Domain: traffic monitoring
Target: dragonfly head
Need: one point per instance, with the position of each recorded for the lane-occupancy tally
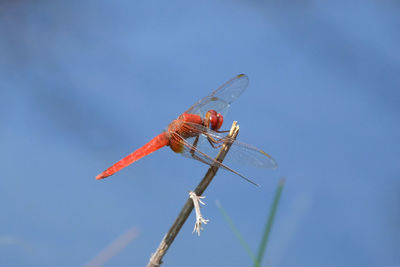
(213, 120)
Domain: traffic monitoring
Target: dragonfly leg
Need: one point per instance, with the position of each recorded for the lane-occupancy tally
(214, 141)
(194, 146)
(227, 131)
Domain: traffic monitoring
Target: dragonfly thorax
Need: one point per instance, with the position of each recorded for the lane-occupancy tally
(182, 128)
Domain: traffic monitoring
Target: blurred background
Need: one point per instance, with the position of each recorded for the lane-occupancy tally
(84, 83)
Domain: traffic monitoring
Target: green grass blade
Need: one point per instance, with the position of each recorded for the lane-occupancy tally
(268, 226)
(236, 232)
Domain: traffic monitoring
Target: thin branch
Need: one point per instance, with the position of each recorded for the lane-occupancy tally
(156, 258)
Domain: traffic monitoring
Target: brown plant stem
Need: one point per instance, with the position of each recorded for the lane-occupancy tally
(156, 258)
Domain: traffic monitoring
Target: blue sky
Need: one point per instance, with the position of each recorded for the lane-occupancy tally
(84, 84)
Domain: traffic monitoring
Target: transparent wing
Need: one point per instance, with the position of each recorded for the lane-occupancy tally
(222, 97)
(239, 154)
(193, 152)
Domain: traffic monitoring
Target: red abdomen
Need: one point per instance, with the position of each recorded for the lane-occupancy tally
(156, 143)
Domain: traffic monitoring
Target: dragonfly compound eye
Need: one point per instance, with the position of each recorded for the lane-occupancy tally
(220, 121)
(214, 120)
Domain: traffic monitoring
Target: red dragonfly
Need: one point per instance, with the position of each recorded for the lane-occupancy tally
(197, 131)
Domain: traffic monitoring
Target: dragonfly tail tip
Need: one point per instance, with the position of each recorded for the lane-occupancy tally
(101, 176)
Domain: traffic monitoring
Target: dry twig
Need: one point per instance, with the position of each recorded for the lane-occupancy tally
(156, 258)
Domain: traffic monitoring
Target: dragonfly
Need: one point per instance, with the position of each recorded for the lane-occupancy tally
(196, 134)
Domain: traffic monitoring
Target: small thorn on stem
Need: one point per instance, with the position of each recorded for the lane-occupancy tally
(199, 218)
